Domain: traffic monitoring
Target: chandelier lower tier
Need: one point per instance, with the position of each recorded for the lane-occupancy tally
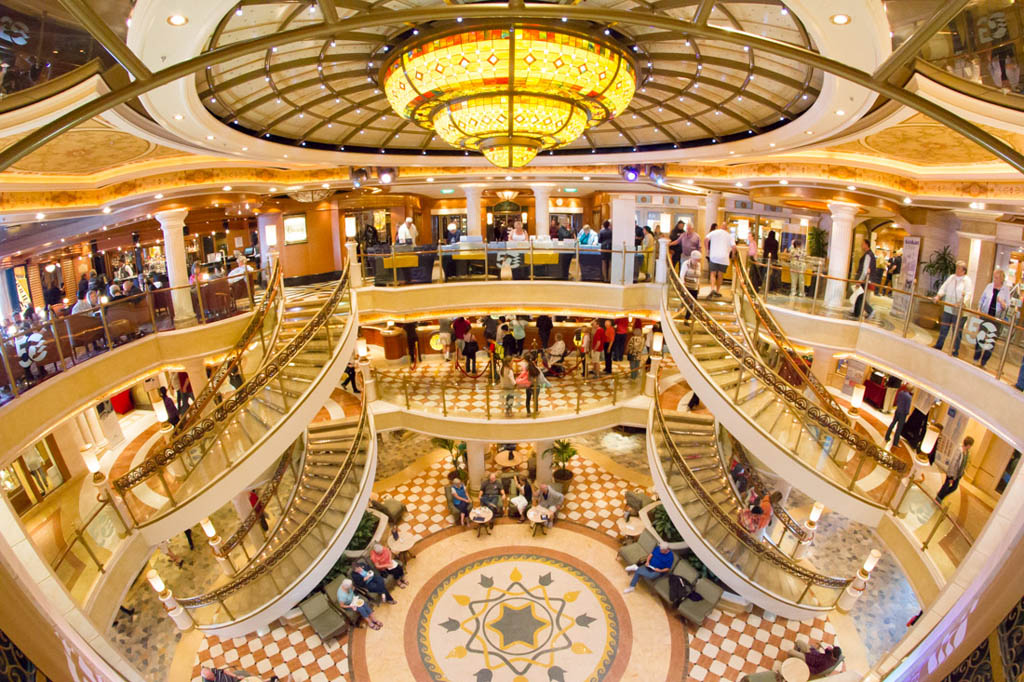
(509, 92)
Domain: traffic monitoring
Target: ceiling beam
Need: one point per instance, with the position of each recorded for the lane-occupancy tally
(329, 11)
(103, 34)
(905, 53)
(188, 67)
(703, 12)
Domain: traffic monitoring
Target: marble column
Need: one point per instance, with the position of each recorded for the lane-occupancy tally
(93, 419)
(84, 432)
(662, 264)
(196, 370)
(6, 309)
(172, 223)
(543, 461)
(712, 204)
(476, 463)
(623, 234)
(541, 197)
(267, 224)
(839, 246)
(474, 217)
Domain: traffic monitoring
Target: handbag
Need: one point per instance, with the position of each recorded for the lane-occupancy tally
(857, 292)
(523, 380)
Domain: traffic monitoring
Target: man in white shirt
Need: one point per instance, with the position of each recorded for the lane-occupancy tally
(720, 246)
(954, 292)
(237, 273)
(407, 232)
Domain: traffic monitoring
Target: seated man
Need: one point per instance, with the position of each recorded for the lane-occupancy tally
(492, 494)
(818, 659)
(369, 581)
(556, 351)
(658, 564)
(551, 499)
(223, 674)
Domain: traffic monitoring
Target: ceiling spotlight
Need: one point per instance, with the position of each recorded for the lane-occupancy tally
(630, 173)
(840, 19)
(106, 209)
(586, 178)
(840, 112)
(177, 20)
(783, 182)
(430, 179)
(238, 12)
(906, 200)
(178, 117)
(386, 175)
(656, 173)
(852, 188)
(359, 176)
(508, 177)
(689, 182)
(739, 184)
(40, 216)
(158, 196)
(227, 188)
(978, 206)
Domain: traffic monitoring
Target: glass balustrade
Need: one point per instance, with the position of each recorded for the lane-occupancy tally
(178, 468)
(941, 536)
(88, 548)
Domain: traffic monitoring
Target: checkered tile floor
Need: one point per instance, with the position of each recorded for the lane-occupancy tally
(466, 396)
(727, 647)
(295, 654)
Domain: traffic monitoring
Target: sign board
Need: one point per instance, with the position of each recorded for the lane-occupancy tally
(901, 303)
(952, 434)
(855, 373)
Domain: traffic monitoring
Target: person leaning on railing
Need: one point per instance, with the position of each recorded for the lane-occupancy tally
(689, 273)
(954, 292)
(995, 301)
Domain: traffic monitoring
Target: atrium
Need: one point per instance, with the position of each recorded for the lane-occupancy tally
(487, 341)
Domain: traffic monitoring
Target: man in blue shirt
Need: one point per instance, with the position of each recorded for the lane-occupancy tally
(658, 564)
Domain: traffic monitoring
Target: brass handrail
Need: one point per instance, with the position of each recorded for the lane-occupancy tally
(221, 416)
(757, 483)
(795, 400)
(269, 490)
(194, 411)
(266, 559)
(788, 352)
(765, 551)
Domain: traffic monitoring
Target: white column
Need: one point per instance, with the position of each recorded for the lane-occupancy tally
(196, 370)
(712, 202)
(476, 463)
(355, 273)
(839, 245)
(623, 233)
(662, 265)
(98, 439)
(541, 197)
(474, 218)
(543, 461)
(369, 383)
(84, 432)
(173, 224)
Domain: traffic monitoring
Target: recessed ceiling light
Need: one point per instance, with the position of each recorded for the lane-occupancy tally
(906, 200)
(158, 196)
(227, 188)
(771, 144)
(245, 149)
(326, 185)
(273, 189)
(840, 19)
(586, 178)
(508, 177)
(177, 20)
(430, 179)
(840, 112)
(106, 209)
(40, 216)
(178, 117)
(209, 137)
(739, 184)
(809, 132)
(689, 182)
(783, 182)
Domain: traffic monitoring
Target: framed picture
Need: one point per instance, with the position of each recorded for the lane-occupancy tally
(295, 229)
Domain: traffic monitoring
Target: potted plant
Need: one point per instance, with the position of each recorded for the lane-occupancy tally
(371, 529)
(561, 451)
(659, 523)
(457, 452)
(939, 266)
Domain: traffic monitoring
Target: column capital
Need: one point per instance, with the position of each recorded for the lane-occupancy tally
(542, 189)
(472, 190)
(843, 211)
(717, 196)
(172, 218)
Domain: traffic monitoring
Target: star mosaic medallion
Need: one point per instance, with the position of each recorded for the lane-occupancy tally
(518, 618)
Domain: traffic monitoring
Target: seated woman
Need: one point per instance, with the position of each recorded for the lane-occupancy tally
(387, 564)
(818, 659)
(370, 583)
(348, 600)
(461, 499)
(520, 495)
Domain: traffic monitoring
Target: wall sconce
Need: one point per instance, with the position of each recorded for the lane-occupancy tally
(490, 218)
(857, 399)
(931, 437)
(657, 343)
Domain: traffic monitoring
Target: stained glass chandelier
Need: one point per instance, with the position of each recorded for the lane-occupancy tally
(509, 92)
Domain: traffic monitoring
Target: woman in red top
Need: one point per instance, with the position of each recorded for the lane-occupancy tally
(596, 345)
(609, 345)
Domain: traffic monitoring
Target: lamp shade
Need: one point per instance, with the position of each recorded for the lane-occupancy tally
(657, 342)
(872, 560)
(155, 581)
(208, 529)
(91, 463)
(857, 399)
(350, 226)
(816, 512)
(361, 349)
(931, 436)
(160, 409)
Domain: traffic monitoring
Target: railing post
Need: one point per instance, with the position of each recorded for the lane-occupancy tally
(248, 289)
(817, 286)
(739, 384)
(199, 301)
(225, 607)
(623, 280)
(56, 341)
(860, 465)
(615, 389)
(1006, 347)
(7, 369)
(152, 309)
(531, 260)
(394, 266)
(804, 593)
(767, 277)
(444, 400)
(106, 328)
(440, 262)
(487, 266)
(956, 330)
(935, 528)
(80, 536)
(910, 315)
(578, 398)
(579, 268)
(167, 488)
(405, 391)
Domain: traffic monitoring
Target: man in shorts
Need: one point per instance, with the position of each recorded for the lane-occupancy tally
(720, 246)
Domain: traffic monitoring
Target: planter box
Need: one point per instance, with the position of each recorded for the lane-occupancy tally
(382, 528)
(645, 517)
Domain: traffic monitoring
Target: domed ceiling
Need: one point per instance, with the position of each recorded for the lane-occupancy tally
(328, 94)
